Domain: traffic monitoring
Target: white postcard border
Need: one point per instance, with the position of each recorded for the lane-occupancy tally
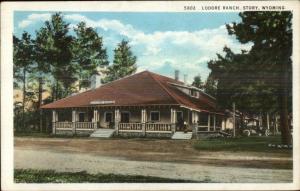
(7, 9)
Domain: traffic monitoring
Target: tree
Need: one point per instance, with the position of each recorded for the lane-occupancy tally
(210, 86)
(271, 33)
(23, 60)
(55, 46)
(89, 53)
(261, 78)
(197, 82)
(124, 63)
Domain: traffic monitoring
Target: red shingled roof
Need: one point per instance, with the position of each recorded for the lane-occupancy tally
(144, 88)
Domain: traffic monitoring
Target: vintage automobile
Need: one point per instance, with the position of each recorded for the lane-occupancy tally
(260, 131)
(251, 128)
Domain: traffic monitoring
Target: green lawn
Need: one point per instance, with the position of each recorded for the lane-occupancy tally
(47, 135)
(258, 144)
(50, 176)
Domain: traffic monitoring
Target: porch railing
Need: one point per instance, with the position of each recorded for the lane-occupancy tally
(130, 126)
(63, 125)
(146, 127)
(84, 125)
(157, 127)
(205, 128)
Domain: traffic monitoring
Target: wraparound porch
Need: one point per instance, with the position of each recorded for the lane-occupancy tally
(142, 120)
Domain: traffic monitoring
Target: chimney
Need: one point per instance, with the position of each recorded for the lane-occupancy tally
(177, 75)
(185, 78)
(95, 81)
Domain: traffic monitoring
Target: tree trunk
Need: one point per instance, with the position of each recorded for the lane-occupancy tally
(24, 97)
(284, 124)
(283, 100)
(40, 103)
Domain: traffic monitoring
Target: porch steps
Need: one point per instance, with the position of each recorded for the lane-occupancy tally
(182, 135)
(103, 133)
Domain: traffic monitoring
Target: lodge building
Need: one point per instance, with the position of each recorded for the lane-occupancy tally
(142, 104)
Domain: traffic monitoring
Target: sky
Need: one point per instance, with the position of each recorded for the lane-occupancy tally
(162, 42)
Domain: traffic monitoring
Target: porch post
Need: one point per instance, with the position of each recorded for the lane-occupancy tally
(208, 122)
(268, 121)
(194, 122)
(95, 118)
(73, 122)
(117, 116)
(214, 122)
(223, 124)
(54, 117)
(173, 120)
(143, 121)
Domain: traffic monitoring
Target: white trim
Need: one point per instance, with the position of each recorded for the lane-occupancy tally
(122, 130)
(158, 115)
(158, 132)
(190, 108)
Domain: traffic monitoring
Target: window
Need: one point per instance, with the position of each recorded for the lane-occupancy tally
(154, 115)
(194, 93)
(108, 117)
(81, 117)
(125, 117)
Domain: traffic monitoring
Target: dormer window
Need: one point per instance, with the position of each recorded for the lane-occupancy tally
(194, 93)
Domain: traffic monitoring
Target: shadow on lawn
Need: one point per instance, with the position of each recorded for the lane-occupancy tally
(50, 176)
(255, 144)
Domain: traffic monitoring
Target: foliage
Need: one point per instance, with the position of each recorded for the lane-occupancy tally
(89, 54)
(55, 60)
(22, 55)
(47, 176)
(210, 86)
(22, 60)
(239, 82)
(124, 63)
(259, 80)
(55, 48)
(198, 82)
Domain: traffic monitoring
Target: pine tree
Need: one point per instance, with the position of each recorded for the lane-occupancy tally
(259, 80)
(23, 61)
(271, 33)
(56, 49)
(89, 53)
(124, 63)
(210, 86)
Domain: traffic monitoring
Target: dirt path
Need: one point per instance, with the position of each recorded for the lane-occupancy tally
(163, 158)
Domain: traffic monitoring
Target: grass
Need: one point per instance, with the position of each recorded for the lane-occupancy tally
(46, 135)
(255, 144)
(50, 176)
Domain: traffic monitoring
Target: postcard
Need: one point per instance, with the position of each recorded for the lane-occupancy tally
(141, 95)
